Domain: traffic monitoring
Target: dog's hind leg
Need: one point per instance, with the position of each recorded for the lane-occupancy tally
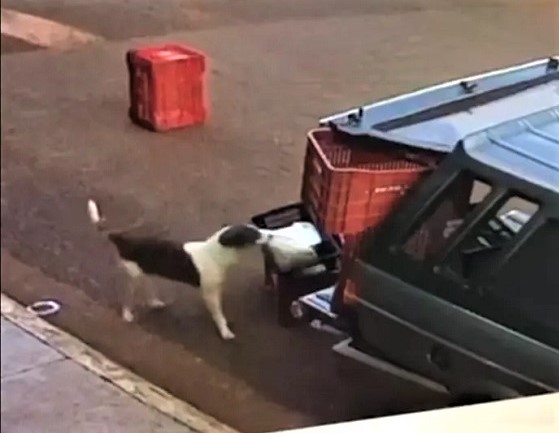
(132, 290)
(212, 298)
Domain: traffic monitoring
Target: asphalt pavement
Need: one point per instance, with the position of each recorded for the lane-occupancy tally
(276, 67)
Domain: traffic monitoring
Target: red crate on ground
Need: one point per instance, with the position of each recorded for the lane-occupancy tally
(167, 86)
(349, 186)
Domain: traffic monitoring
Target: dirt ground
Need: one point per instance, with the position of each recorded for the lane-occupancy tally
(275, 69)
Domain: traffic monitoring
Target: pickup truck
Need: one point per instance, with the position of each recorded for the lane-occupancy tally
(459, 287)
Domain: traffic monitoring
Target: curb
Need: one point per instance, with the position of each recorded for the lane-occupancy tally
(94, 361)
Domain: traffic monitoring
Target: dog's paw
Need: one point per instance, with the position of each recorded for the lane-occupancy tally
(127, 315)
(227, 334)
(156, 304)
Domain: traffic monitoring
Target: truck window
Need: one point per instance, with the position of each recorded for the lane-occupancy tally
(436, 226)
(486, 240)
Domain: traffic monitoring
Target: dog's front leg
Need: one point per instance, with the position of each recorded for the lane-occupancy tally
(129, 303)
(212, 297)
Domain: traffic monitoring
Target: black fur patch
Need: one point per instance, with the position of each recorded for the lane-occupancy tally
(239, 236)
(158, 257)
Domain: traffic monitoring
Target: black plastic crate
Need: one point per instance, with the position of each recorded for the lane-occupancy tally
(328, 251)
(290, 286)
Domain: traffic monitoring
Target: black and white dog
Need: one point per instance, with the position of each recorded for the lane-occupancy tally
(202, 264)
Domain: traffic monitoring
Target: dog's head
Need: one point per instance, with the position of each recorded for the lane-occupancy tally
(241, 236)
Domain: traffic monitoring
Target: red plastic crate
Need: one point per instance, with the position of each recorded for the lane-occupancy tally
(348, 187)
(167, 86)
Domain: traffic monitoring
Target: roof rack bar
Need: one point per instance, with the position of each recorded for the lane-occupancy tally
(542, 134)
(504, 144)
(466, 103)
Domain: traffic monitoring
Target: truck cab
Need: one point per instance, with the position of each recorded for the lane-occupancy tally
(459, 286)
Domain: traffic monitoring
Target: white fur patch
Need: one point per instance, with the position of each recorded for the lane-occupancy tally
(211, 258)
(212, 261)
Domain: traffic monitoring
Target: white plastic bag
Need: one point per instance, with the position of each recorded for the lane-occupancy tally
(292, 247)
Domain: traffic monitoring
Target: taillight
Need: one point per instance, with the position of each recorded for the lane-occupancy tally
(349, 295)
(347, 290)
(346, 285)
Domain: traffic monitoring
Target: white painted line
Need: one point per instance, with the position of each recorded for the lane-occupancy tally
(142, 390)
(42, 32)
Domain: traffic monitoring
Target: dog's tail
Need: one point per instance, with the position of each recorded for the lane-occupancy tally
(95, 215)
(99, 221)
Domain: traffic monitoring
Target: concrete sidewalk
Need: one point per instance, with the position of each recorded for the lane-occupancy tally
(43, 391)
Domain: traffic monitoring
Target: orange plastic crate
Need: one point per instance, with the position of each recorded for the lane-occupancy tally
(167, 86)
(348, 187)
